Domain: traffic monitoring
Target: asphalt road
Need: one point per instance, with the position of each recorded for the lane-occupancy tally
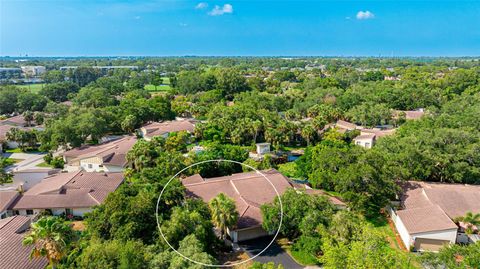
(273, 254)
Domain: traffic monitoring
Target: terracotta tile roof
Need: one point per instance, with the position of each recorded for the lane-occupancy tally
(346, 125)
(70, 190)
(425, 219)
(13, 254)
(433, 206)
(161, 128)
(455, 199)
(409, 114)
(113, 152)
(18, 120)
(6, 199)
(249, 190)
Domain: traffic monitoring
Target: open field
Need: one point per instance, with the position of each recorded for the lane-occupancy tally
(160, 88)
(33, 87)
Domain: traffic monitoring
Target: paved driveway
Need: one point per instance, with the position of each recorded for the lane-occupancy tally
(273, 254)
(29, 160)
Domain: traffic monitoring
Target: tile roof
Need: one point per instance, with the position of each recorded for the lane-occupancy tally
(249, 190)
(18, 120)
(409, 114)
(113, 152)
(13, 254)
(70, 190)
(433, 206)
(4, 129)
(6, 199)
(346, 125)
(425, 219)
(161, 128)
(455, 199)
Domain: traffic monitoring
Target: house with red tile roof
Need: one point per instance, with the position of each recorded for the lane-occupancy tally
(164, 128)
(249, 190)
(110, 156)
(73, 193)
(425, 221)
(14, 255)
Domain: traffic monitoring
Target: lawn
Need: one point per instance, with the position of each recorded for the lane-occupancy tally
(43, 164)
(35, 88)
(299, 256)
(160, 88)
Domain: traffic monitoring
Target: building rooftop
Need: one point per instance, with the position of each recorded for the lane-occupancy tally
(113, 152)
(454, 199)
(6, 199)
(13, 254)
(425, 219)
(161, 128)
(249, 190)
(69, 190)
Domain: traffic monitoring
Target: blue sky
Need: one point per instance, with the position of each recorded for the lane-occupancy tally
(282, 27)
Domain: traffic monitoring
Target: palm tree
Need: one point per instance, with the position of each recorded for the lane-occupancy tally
(224, 213)
(50, 237)
(471, 221)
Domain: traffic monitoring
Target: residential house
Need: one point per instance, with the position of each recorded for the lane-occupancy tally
(344, 126)
(14, 122)
(14, 255)
(164, 128)
(425, 220)
(106, 157)
(368, 137)
(6, 200)
(23, 180)
(249, 191)
(73, 193)
(409, 114)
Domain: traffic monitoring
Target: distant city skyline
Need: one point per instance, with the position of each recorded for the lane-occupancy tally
(239, 28)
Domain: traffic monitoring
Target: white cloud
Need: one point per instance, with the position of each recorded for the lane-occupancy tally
(201, 5)
(365, 15)
(217, 10)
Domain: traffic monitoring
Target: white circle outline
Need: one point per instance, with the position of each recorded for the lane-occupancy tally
(219, 265)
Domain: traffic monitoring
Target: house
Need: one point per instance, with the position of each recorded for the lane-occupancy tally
(164, 128)
(14, 254)
(368, 137)
(73, 193)
(345, 125)
(6, 200)
(23, 180)
(409, 114)
(4, 129)
(425, 220)
(105, 157)
(249, 190)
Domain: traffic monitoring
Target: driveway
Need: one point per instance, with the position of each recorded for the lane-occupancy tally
(273, 254)
(29, 161)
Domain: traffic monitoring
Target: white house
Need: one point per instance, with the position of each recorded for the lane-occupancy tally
(73, 193)
(425, 219)
(105, 157)
(368, 137)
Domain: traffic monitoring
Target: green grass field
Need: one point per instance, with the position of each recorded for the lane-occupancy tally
(161, 88)
(33, 87)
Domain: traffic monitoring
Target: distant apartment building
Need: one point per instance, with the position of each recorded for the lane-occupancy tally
(33, 71)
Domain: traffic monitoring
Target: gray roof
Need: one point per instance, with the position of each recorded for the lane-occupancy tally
(6, 199)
